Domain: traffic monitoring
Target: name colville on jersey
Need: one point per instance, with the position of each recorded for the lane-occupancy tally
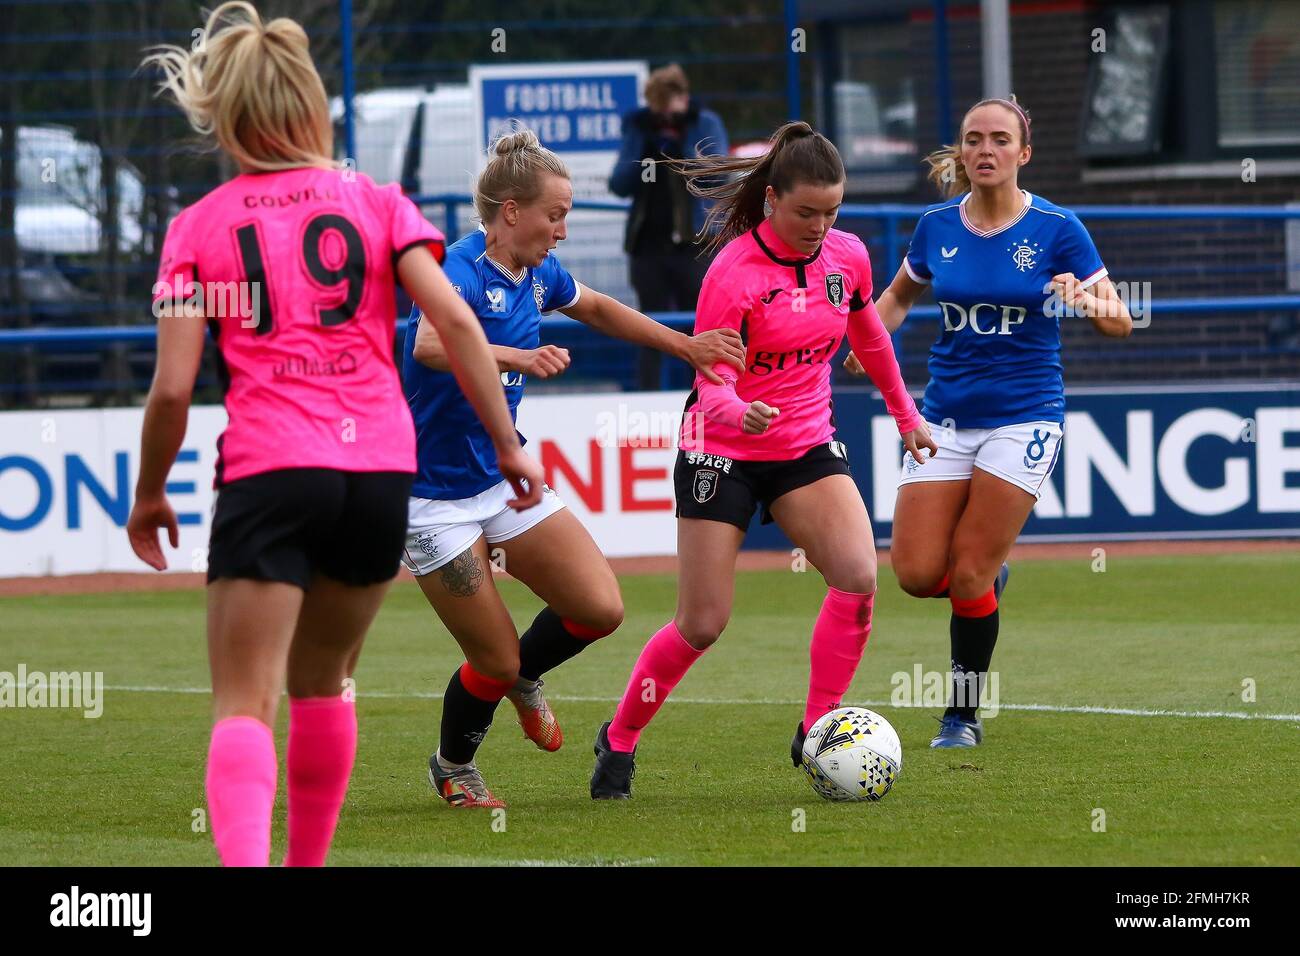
(289, 199)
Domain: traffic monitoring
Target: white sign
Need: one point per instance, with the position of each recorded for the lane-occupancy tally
(66, 479)
(576, 109)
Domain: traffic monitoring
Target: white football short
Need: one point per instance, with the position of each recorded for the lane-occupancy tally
(438, 531)
(1023, 454)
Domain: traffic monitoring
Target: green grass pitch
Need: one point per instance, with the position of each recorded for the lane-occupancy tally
(714, 784)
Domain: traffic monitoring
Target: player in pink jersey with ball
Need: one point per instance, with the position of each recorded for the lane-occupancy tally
(293, 265)
(792, 286)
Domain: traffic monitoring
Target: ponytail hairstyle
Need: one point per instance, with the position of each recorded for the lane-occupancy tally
(796, 154)
(947, 171)
(515, 170)
(254, 87)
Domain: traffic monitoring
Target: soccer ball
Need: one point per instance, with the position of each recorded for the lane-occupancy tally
(852, 754)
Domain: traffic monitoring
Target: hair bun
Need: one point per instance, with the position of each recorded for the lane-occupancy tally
(515, 142)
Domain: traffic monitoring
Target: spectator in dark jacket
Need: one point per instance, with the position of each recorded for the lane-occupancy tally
(664, 219)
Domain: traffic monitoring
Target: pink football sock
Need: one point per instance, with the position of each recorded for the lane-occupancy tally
(240, 783)
(838, 640)
(664, 661)
(318, 764)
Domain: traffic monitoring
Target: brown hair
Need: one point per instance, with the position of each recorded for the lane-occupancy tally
(796, 153)
(947, 171)
(519, 160)
(254, 87)
(665, 83)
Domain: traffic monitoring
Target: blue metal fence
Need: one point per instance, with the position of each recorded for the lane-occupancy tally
(609, 363)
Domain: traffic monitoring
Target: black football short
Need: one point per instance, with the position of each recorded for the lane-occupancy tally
(726, 489)
(291, 524)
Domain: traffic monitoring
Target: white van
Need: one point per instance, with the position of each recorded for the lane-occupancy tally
(60, 208)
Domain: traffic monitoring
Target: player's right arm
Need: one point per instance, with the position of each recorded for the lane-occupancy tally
(543, 362)
(723, 304)
(166, 415)
(471, 361)
(430, 351)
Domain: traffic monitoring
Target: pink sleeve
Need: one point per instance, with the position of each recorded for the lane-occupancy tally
(872, 345)
(178, 265)
(721, 305)
(720, 403)
(408, 228)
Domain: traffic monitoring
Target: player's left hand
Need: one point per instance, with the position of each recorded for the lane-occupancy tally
(148, 515)
(917, 439)
(853, 366)
(707, 349)
(1066, 285)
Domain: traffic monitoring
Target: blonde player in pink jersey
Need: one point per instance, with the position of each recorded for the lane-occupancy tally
(765, 439)
(315, 466)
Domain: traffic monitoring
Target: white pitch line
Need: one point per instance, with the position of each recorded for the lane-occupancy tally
(730, 701)
(576, 862)
(643, 861)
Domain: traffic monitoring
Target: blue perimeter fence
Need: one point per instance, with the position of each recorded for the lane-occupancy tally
(1256, 336)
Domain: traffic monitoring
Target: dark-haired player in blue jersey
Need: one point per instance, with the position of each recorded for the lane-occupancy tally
(1005, 267)
(461, 506)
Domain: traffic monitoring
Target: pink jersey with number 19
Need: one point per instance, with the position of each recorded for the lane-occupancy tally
(297, 272)
(792, 311)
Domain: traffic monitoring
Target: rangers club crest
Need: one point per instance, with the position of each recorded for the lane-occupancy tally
(426, 543)
(1024, 254)
(706, 484)
(539, 294)
(835, 288)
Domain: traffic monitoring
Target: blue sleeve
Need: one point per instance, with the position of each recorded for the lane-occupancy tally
(713, 136)
(625, 180)
(464, 278)
(710, 140)
(1076, 252)
(561, 289)
(914, 261)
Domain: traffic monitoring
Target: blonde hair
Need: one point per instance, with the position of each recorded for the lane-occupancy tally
(947, 171)
(665, 83)
(254, 87)
(518, 162)
(796, 154)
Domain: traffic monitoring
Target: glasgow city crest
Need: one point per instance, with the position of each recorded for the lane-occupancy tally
(706, 484)
(835, 288)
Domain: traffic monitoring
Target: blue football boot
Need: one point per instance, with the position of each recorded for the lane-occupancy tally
(956, 731)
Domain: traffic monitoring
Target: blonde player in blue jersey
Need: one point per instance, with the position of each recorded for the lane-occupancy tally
(460, 509)
(1005, 267)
